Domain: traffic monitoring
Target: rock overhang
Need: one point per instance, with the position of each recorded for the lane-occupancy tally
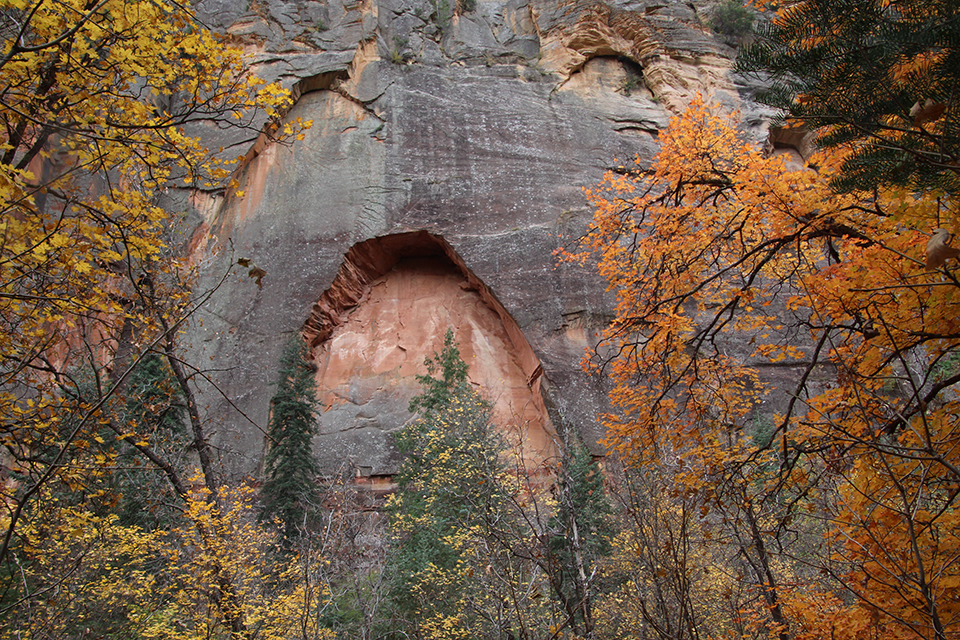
(385, 313)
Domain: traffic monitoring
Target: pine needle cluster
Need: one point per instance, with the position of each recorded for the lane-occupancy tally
(290, 471)
(881, 78)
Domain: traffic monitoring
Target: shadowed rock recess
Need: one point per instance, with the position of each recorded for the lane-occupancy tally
(450, 145)
(387, 310)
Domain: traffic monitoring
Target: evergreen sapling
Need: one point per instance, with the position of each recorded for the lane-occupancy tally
(289, 490)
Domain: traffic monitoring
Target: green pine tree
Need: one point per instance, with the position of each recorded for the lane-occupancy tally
(290, 471)
(476, 548)
(154, 407)
(581, 530)
(438, 391)
(879, 77)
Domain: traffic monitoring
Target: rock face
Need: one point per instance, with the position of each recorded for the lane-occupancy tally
(387, 310)
(450, 144)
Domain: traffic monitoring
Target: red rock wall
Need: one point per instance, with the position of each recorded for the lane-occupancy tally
(389, 309)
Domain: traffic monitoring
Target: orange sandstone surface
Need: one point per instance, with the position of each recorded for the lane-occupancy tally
(372, 332)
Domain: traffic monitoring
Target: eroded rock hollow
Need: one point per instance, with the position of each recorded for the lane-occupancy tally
(388, 310)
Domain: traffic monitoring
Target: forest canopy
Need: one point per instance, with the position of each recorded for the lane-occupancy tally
(784, 353)
(101, 108)
(785, 345)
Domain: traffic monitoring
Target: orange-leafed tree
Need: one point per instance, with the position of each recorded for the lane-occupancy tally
(836, 479)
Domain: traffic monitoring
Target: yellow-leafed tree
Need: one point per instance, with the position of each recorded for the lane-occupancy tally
(217, 574)
(102, 103)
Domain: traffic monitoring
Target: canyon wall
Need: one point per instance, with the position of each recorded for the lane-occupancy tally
(451, 140)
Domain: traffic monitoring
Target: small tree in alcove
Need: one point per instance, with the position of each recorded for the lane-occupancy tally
(451, 471)
(290, 472)
(467, 559)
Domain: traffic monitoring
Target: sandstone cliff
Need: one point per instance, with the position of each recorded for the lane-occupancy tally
(450, 144)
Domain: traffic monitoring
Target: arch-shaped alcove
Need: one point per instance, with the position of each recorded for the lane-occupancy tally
(795, 144)
(387, 310)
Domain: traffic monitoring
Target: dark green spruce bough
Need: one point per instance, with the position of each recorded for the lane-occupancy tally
(289, 492)
(885, 77)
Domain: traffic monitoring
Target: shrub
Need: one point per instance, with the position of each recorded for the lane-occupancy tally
(732, 20)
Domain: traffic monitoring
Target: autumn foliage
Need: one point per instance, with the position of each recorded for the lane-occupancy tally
(102, 110)
(784, 361)
(783, 353)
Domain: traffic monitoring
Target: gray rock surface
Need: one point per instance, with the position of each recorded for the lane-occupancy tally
(478, 121)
